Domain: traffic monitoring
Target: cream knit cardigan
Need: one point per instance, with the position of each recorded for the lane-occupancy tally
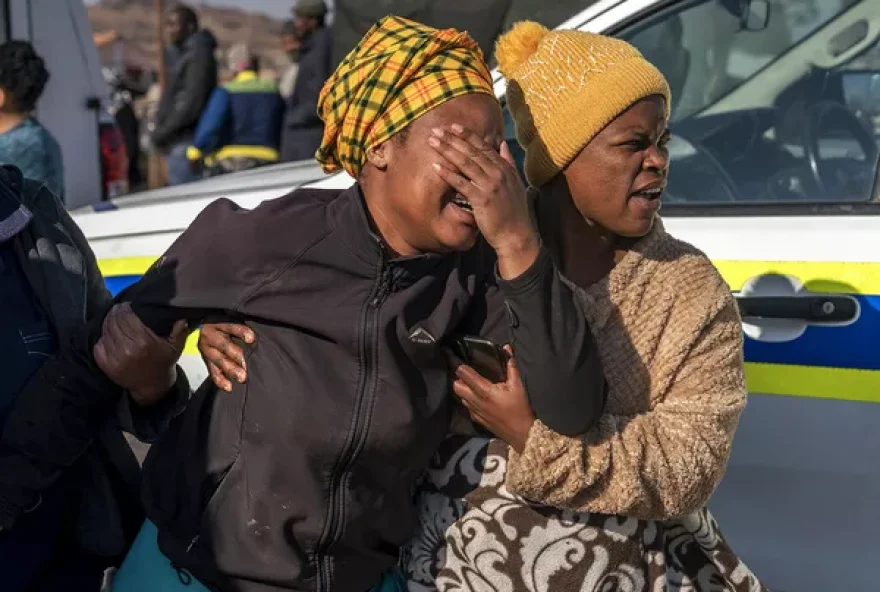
(669, 334)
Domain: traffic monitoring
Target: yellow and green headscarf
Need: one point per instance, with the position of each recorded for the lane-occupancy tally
(398, 72)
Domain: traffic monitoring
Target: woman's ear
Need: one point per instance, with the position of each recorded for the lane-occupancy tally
(380, 155)
(2, 99)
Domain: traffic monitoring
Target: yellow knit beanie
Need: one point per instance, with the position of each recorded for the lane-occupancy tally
(564, 87)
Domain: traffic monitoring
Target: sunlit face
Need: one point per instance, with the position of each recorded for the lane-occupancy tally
(618, 179)
(415, 202)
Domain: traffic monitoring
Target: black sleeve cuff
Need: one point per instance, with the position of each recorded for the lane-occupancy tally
(148, 423)
(530, 279)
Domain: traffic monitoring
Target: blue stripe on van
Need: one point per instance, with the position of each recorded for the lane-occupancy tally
(118, 283)
(855, 346)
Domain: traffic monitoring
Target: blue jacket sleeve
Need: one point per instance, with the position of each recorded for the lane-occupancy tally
(213, 123)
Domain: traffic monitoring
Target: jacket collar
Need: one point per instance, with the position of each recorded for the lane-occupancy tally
(14, 215)
(349, 216)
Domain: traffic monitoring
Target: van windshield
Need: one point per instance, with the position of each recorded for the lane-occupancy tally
(706, 53)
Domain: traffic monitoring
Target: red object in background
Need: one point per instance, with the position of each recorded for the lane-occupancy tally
(114, 160)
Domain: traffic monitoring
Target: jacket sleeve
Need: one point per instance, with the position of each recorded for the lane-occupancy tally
(212, 125)
(657, 465)
(68, 401)
(557, 357)
(97, 296)
(187, 106)
(145, 424)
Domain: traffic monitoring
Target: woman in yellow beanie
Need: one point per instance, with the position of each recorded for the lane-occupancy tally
(622, 506)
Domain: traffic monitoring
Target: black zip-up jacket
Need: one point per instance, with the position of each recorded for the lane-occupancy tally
(301, 479)
(37, 445)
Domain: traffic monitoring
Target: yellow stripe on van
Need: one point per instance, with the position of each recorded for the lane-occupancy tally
(125, 265)
(772, 379)
(817, 276)
(842, 384)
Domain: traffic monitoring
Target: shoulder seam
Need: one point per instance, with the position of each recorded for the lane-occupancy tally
(281, 271)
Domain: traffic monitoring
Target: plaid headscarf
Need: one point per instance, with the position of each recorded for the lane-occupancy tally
(398, 72)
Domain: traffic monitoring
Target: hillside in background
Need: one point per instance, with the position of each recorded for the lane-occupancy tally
(135, 22)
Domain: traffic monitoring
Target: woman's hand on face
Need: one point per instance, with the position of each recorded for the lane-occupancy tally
(225, 359)
(490, 182)
(137, 359)
(502, 408)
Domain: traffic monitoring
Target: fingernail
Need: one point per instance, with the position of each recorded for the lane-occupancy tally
(437, 131)
(228, 388)
(457, 128)
(241, 376)
(243, 364)
(249, 337)
(434, 142)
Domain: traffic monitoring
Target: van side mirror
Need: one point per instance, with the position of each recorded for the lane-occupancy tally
(755, 15)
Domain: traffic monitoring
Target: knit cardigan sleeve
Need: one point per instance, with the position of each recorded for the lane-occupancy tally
(660, 464)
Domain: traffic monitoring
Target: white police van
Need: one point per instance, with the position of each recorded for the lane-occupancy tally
(776, 122)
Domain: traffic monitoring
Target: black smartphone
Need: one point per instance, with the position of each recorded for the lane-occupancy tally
(484, 356)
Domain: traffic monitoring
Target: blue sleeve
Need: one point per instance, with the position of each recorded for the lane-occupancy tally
(212, 125)
(36, 154)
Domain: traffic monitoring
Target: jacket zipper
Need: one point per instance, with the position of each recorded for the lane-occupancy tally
(357, 435)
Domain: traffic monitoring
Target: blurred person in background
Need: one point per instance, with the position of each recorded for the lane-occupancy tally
(192, 78)
(303, 128)
(241, 126)
(24, 142)
(290, 44)
(125, 89)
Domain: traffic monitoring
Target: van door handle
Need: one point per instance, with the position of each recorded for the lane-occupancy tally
(819, 309)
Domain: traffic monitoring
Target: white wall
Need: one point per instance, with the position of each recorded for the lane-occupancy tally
(61, 34)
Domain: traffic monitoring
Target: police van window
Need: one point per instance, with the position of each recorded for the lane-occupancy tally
(550, 13)
(774, 101)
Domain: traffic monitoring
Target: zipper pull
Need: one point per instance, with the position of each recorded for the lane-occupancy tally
(382, 288)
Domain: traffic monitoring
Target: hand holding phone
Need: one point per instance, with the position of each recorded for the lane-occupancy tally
(490, 388)
(484, 356)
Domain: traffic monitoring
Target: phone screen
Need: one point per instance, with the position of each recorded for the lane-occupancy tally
(485, 357)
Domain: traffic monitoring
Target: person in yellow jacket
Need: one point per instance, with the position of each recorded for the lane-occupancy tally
(241, 126)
